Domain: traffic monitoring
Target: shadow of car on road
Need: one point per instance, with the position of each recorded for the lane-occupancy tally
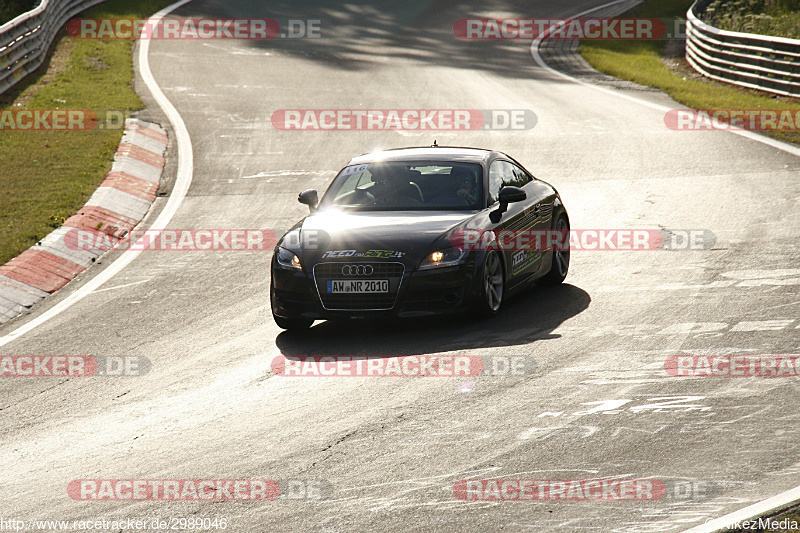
(531, 315)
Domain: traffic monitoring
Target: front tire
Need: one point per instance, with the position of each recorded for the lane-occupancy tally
(292, 324)
(492, 285)
(289, 324)
(559, 261)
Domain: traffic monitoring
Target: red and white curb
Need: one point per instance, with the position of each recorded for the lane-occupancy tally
(116, 207)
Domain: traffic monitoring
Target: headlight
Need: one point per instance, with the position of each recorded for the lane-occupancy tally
(442, 258)
(288, 259)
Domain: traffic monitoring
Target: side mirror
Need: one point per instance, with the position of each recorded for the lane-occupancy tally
(508, 195)
(309, 197)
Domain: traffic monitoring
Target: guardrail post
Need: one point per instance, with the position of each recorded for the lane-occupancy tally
(761, 62)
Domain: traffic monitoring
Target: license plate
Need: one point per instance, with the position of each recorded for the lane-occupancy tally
(357, 286)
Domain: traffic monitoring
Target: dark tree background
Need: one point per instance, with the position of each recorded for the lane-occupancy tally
(11, 8)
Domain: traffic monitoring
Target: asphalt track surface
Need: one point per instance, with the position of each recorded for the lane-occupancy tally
(393, 448)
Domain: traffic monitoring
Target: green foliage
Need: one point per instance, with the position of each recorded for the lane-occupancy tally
(778, 18)
(10, 9)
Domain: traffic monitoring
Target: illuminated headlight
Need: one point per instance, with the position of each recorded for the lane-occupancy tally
(442, 258)
(288, 259)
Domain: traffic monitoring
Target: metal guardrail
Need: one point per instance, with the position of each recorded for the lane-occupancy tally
(25, 40)
(756, 61)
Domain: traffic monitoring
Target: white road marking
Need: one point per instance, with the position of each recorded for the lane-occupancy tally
(278, 173)
(623, 381)
(535, 432)
(182, 183)
(122, 286)
(663, 404)
(234, 51)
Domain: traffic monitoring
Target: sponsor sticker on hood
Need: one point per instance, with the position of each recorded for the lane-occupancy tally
(369, 254)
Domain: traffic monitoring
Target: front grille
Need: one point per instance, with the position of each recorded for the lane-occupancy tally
(348, 301)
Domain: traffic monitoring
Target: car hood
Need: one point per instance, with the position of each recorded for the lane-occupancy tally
(398, 236)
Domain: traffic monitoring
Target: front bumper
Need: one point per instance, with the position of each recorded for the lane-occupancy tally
(295, 294)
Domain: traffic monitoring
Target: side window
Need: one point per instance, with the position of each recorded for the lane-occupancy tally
(504, 174)
(495, 180)
(521, 178)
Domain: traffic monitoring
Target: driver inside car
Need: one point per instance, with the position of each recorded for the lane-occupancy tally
(465, 181)
(393, 190)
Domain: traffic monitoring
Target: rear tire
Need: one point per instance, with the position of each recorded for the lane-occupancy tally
(492, 283)
(559, 260)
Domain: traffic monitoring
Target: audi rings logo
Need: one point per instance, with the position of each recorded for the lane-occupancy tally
(357, 270)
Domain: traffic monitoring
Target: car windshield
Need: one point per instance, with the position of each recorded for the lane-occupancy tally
(407, 186)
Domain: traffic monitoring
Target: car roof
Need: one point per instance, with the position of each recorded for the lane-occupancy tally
(428, 153)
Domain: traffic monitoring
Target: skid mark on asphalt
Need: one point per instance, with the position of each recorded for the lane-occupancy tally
(436, 491)
(696, 329)
(778, 306)
(406, 488)
(734, 278)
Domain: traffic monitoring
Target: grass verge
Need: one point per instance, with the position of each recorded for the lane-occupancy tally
(47, 176)
(642, 62)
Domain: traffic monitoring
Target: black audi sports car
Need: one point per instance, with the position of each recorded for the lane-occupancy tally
(387, 238)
